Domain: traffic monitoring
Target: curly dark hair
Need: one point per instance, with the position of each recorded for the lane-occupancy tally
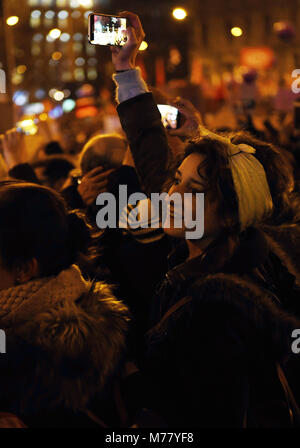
(220, 188)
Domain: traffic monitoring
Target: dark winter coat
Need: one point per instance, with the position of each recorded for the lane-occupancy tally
(213, 362)
(59, 359)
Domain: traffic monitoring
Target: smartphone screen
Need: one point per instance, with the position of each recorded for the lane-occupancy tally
(169, 116)
(107, 30)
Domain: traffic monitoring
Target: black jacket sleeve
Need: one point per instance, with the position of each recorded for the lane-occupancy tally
(142, 124)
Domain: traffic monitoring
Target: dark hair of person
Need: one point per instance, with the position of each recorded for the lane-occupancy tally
(52, 148)
(56, 167)
(35, 223)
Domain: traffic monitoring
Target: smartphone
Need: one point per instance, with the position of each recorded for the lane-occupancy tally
(170, 116)
(297, 115)
(107, 30)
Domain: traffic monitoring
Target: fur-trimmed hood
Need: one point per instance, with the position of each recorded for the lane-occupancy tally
(61, 354)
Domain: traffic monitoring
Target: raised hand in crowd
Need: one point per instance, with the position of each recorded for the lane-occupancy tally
(93, 183)
(13, 148)
(193, 119)
(124, 57)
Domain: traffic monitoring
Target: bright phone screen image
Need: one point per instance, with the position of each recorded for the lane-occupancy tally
(107, 30)
(169, 115)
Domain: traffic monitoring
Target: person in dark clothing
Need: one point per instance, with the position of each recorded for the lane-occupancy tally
(220, 333)
(66, 336)
(53, 171)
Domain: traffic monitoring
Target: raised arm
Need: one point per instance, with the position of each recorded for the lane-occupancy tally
(138, 112)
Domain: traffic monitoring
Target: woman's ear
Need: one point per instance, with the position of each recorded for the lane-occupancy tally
(28, 271)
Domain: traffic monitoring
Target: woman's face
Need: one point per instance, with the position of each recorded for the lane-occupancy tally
(190, 179)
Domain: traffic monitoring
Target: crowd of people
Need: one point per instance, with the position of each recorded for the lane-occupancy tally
(143, 327)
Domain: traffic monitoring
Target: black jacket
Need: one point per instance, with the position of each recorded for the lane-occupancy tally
(213, 362)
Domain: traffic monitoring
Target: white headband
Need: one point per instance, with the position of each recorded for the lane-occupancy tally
(250, 181)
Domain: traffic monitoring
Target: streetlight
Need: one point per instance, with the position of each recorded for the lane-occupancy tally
(12, 20)
(236, 31)
(179, 13)
(58, 95)
(55, 33)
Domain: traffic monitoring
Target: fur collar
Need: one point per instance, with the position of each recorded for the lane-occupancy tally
(61, 351)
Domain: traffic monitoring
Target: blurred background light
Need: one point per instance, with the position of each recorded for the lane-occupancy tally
(68, 105)
(34, 109)
(59, 95)
(86, 3)
(43, 116)
(40, 94)
(57, 55)
(55, 33)
(21, 69)
(20, 97)
(65, 37)
(143, 46)
(236, 31)
(57, 112)
(12, 20)
(179, 13)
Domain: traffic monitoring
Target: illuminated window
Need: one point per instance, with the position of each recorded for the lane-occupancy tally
(92, 74)
(66, 76)
(56, 56)
(35, 22)
(76, 14)
(33, 3)
(62, 23)
(38, 37)
(17, 79)
(35, 50)
(40, 94)
(74, 3)
(50, 14)
(90, 49)
(65, 37)
(36, 14)
(79, 74)
(46, 2)
(49, 18)
(61, 3)
(78, 36)
(80, 61)
(77, 47)
(92, 61)
(49, 38)
(63, 15)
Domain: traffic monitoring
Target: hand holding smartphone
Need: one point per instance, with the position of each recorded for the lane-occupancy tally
(124, 34)
(107, 30)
